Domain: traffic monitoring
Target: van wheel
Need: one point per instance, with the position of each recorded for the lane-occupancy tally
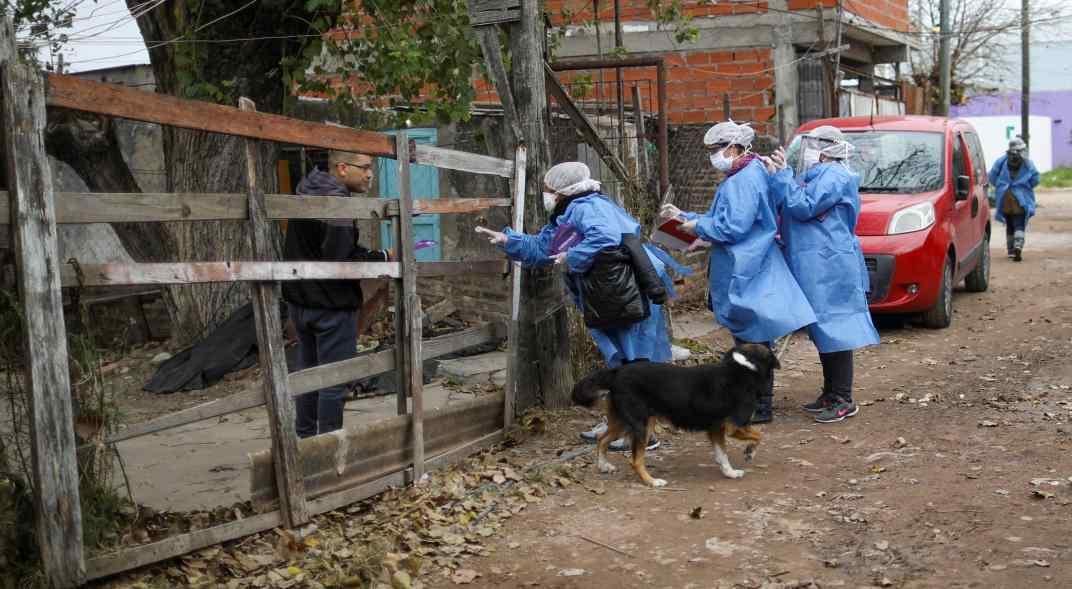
(979, 279)
(941, 314)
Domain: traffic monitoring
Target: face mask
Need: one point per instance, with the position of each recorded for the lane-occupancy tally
(721, 162)
(809, 158)
(550, 199)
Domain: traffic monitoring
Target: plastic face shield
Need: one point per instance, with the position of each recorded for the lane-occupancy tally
(810, 150)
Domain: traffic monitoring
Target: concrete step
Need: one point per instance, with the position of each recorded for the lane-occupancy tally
(475, 370)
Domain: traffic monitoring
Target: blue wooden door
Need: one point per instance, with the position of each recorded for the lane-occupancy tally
(424, 183)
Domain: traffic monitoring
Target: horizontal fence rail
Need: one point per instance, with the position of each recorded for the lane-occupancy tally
(366, 453)
(116, 274)
(104, 207)
(137, 105)
(206, 272)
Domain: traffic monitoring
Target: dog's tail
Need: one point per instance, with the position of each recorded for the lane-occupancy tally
(587, 390)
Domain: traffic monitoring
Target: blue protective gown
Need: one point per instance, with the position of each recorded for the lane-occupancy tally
(602, 223)
(753, 294)
(819, 231)
(1022, 187)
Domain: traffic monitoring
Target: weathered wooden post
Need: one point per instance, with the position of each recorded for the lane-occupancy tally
(409, 363)
(273, 359)
(57, 512)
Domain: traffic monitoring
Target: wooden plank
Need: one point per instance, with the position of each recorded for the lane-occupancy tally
(458, 205)
(514, 326)
(359, 455)
(313, 379)
(270, 350)
(457, 267)
(488, 37)
(437, 313)
(134, 104)
(204, 272)
(416, 381)
(352, 495)
(146, 554)
(225, 406)
(584, 127)
(407, 289)
(452, 159)
(491, 12)
(99, 207)
(641, 132)
(57, 512)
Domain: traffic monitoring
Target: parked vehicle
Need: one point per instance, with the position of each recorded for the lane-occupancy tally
(925, 217)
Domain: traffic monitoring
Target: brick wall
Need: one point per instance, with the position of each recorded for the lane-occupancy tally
(697, 83)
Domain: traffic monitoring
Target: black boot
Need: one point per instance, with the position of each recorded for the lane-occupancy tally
(764, 412)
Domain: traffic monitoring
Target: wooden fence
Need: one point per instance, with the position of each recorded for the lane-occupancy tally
(289, 477)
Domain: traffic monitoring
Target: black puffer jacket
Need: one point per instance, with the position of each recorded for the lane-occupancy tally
(616, 290)
(325, 241)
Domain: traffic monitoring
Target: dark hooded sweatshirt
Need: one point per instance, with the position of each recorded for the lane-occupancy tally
(325, 241)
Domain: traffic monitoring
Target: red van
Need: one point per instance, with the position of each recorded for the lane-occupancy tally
(924, 219)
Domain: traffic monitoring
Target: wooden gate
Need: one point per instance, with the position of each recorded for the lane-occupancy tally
(288, 476)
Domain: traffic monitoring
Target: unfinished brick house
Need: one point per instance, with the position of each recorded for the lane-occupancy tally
(767, 62)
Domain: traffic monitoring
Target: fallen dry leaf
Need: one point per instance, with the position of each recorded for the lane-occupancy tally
(464, 576)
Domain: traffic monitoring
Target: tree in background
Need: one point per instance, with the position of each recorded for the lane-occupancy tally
(984, 43)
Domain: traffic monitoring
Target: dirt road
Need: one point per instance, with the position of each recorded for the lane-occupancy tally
(956, 473)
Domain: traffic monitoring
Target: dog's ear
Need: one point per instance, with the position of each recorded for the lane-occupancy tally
(739, 358)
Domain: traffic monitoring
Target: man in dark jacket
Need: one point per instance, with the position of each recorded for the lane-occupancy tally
(324, 312)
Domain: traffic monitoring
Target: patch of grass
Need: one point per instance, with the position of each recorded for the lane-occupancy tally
(1057, 178)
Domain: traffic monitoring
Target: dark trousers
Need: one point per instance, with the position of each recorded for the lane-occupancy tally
(1015, 228)
(324, 336)
(837, 374)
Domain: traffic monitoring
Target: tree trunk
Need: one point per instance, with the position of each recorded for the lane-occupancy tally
(206, 162)
(545, 376)
(89, 144)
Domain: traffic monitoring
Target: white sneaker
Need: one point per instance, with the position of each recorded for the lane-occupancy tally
(678, 354)
(623, 444)
(596, 431)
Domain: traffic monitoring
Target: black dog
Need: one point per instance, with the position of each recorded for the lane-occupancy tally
(716, 398)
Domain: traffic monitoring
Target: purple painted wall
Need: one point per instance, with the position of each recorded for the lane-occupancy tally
(1056, 104)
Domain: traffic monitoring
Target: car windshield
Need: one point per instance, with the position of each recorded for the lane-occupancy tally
(901, 162)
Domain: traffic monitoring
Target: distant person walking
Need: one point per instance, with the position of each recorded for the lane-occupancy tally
(1014, 178)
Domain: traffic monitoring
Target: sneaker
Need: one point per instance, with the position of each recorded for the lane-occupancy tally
(818, 405)
(838, 411)
(622, 444)
(593, 434)
(761, 417)
(1017, 255)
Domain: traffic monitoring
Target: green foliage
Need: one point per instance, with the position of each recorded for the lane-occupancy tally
(1057, 178)
(40, 21)
(421, 51)
(670, 13)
